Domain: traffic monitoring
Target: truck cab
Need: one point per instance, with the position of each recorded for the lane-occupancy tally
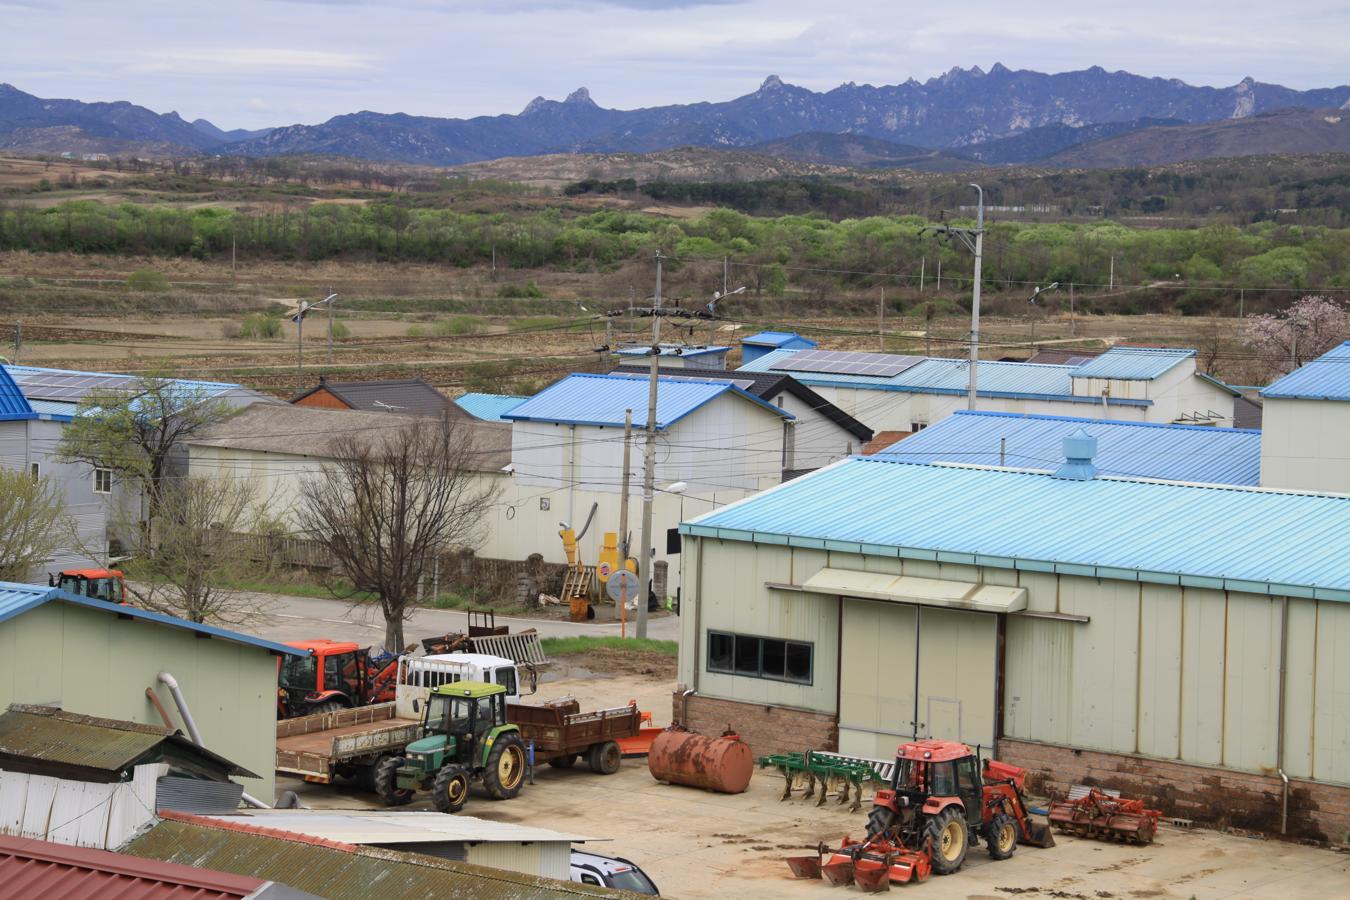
(100, 584)
(434, 670)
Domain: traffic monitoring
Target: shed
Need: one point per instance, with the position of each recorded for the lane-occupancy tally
(756, 345)
(680, 356)
(406, 396)
(489, 407)
(1306, 425)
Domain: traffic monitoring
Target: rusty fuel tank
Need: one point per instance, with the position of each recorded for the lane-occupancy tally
(722, 764)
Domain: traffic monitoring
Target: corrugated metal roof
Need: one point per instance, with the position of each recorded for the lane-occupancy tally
(1325, 378)
(1137, 449)
(490, 407)
(35, 868)
(671, 350)
(54, 408)
(1133, 363)
(19, 598)
(1238, 538)
(332, 869)
(407, 396)
(583, 399)
(779, 339)
(368, 826)
(13, 405)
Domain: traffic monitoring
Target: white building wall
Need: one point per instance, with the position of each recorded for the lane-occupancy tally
(816, 441)
(1305, 445)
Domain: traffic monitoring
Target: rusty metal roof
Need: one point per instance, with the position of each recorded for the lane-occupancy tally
(332, 869)
(34, 868)
(47, 740)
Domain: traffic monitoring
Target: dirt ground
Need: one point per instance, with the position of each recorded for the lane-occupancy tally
(699, 844)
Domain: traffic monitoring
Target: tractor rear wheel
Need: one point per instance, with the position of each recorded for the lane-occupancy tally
(451, 789)
(880, 819)
(1000, 836)
(322, 709)
(505, 770)
(950, 836)
(604, 759)
(386, 782)
(566, 761)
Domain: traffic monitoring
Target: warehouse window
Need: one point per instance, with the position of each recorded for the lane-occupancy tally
(760, 657)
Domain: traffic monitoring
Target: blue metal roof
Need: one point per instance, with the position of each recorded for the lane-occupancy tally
(54, 409)
(14, 406)
(1325, 378)
(488, 406)
(16, 599)
(1137, 449)
(583, 399)
(1234, 538)
(779, 339)
(671, 350)
(1133, 363)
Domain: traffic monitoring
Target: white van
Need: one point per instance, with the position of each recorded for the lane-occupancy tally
(419, 674)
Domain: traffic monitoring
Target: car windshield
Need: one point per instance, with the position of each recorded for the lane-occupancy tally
(632, 880)
(299, 672)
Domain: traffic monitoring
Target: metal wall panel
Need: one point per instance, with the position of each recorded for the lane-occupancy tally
(506, 855)
(958, 654)
(1204, 629)
(1159, 637)
(1300, 691)
(1331, 753)
(1038, 679)
(1251, 681)
(877, 677)
(1106, 663)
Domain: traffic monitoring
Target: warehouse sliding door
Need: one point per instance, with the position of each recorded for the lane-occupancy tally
(911, 671)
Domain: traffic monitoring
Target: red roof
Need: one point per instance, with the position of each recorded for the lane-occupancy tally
(34, 868)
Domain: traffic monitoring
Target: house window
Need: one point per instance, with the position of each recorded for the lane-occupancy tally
(35, 470)
(103, 481)
(760, 657)
(917, 426)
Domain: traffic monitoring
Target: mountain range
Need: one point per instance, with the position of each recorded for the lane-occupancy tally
(997, 117)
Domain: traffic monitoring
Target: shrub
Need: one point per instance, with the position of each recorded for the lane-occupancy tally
(458, 325)
(259, 327)
(416, 331)
(527, 291)
(341, 331)
(147, 280)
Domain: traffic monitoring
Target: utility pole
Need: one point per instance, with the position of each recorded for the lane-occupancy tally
(1111, 284)
(724, 275)
(232, 252)
(1072, 324)
(939, 278)
(973, 238)
(18, 341)
(922, 261)
(881, 322)
(299, 320)
(330, 330)
(649, 460)
(1241, 298)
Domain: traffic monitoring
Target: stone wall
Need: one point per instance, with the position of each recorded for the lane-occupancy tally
(767, 729)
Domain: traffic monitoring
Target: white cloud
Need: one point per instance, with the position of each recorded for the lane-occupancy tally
(249, 60)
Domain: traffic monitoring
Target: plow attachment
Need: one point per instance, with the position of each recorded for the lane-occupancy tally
(1104, 817)
(829, 773)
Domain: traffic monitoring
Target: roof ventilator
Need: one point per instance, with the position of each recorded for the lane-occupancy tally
(1079, 449)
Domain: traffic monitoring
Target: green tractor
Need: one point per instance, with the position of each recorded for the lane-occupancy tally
(465, 737)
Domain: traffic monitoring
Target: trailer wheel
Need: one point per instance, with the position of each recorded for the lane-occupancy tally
(566, 761)
(950, 838)
(505, 770)
(451, 789)
(1000, 836)
(386, 782)
(604, 758)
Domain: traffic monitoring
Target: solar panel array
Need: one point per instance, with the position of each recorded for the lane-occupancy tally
(67, 387)
(880, 365)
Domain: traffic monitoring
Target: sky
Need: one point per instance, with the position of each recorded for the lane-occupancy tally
(256, 63)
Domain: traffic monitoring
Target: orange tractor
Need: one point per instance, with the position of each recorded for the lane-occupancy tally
(939, 803)
(334, 675)
(100, 584)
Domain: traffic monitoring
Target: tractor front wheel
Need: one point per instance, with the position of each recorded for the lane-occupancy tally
(1000, 836)
(880, 819)
(950, 837)
(386, 782)
(451, 790)
(604, 759)
(505, 770)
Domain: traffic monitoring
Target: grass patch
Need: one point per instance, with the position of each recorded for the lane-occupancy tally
(457, 325)
(568, 646)
(259, 327)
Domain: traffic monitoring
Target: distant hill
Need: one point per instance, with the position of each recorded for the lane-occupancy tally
(679, 164)
(1288, 131)
(861, 152)
(1047, 140)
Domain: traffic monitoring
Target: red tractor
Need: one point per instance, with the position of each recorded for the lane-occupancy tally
(100, 584)
(334, 675)
(939, 803)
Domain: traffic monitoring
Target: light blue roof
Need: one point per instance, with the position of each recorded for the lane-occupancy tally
(1136, 449)
(488, 406)
(779, 339)
(16, 599)
(671, 350)
(1033, 381)
(583, 399)
(1234, 538)
(14, 406)
(1325, 378)
(54, 409)
(1133, 363)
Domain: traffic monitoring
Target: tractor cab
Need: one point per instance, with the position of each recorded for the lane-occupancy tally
(932, 775)
(332, 675)
(100, 584)
(456, 718)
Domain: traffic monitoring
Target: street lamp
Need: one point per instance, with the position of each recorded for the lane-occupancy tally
(299, 320)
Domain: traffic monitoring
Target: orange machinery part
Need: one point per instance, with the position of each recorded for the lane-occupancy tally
(722, 764)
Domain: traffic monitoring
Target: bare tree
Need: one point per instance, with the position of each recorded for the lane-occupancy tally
(184, 568)
(388, 503)
(1311, 326)
(32, 523)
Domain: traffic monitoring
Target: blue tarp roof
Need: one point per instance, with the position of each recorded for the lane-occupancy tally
(1325, 378)
(1133, 363)
(778, 339)
(16, 599)
(490, 407)
(583, 399)
(14, 406)
(1138, 449)
(1234, 538)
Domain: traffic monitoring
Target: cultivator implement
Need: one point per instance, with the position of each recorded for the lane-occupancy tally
(1099, 815)
(873, 865)
(826, 771)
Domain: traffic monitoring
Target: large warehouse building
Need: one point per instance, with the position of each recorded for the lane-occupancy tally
(1183, 642)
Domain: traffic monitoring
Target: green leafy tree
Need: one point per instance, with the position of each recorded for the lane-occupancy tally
(32, 523)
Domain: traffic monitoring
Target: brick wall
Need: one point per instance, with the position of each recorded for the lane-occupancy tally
(1213, 796)
(767, 729)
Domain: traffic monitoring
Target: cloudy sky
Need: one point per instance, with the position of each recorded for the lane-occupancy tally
(250, 63)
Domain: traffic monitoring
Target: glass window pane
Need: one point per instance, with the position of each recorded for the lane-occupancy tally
(747, 655)
(798, 662)
(774, 652)
(944, 785)
(719, 652)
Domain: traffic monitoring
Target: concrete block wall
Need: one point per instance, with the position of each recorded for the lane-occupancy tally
(767, 729)
(1204, 794)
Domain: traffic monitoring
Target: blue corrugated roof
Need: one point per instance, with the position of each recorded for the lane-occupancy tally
(13, 405)
(1325, 378)
(54, 409)
(671, 350)
(779, 339)
(1133, 363)
(16, 599)
(488, 406)
(582, 399)
(1137, 449)
(1234, 538)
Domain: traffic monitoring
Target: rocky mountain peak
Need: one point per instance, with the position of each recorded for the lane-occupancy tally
(772, 83)
(580, 96)
(534, 106)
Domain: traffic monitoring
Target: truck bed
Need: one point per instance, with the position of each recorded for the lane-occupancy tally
(314, 746)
